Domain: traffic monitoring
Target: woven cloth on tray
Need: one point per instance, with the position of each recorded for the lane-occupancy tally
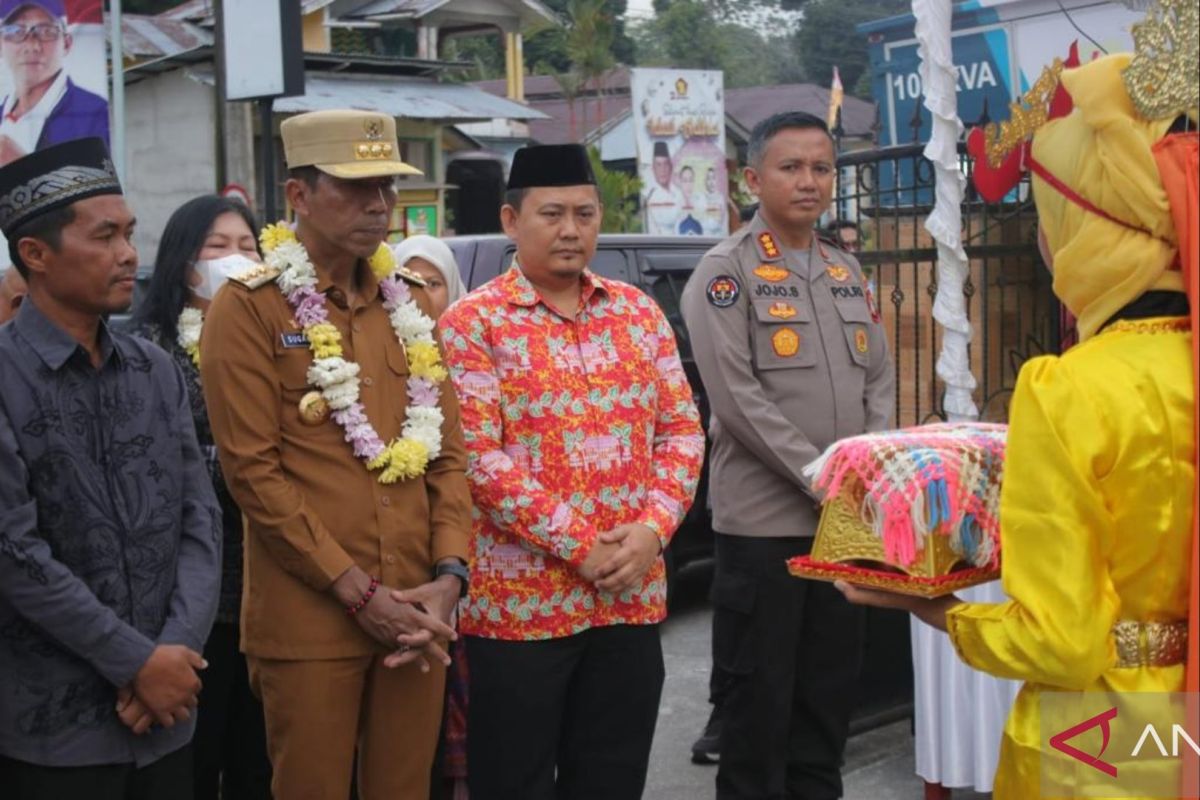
(941, 479)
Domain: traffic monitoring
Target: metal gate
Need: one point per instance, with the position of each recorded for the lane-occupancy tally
(888, 192)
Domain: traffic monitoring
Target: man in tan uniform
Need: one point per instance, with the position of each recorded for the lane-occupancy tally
(792, 355)
(326, 538)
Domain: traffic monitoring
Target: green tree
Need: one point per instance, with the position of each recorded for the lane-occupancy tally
(589, 40)
(827, 38)
(546, 47)
(689, 35)
(619, 194)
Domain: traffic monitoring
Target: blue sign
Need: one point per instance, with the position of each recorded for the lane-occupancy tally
(982, 58)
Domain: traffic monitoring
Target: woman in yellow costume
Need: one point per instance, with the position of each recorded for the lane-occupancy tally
(1097, 507)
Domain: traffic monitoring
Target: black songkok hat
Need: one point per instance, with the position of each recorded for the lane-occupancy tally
(54, 177)
(660, 150)
(551, 165)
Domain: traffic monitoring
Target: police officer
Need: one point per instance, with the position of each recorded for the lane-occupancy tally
(788, 342)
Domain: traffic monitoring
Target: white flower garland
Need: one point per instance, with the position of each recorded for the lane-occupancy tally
(187, 335)
(408, 455)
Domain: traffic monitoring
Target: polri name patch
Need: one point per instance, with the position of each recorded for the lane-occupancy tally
(723, 291)
(294, 339)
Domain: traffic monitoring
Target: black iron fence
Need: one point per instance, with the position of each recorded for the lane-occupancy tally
(888, 192)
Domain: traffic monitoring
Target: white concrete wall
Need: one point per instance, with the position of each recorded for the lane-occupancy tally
(170, 151)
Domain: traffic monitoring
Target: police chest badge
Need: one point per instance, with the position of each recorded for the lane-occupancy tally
(781, 311)
(313, 409)
(770, 273)
(723, 291)
(861, 344)
(838, 273)
(785, 342)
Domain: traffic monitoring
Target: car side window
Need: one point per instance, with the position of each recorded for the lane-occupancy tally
(665, 273)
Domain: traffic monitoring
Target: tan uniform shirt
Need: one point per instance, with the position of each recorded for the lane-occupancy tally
(793, 358)
(312, 508)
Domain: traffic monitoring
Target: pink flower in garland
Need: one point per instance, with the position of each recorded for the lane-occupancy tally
(309, 306)
(423, 392)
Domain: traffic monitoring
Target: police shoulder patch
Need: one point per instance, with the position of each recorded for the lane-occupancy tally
(723, 291)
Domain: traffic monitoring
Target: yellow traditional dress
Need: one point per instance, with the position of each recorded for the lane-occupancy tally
(1096, 514)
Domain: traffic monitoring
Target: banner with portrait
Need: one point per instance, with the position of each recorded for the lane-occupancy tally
(53, 76)
(679, 127)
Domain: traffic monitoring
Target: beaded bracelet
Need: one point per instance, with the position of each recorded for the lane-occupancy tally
(366, 598)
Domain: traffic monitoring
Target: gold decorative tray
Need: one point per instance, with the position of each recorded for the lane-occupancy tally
(918, 586)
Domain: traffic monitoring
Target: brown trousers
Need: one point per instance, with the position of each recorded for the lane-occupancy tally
(317, 711)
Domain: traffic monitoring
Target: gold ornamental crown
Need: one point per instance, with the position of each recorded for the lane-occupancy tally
(1025, 116)
(1163, 79)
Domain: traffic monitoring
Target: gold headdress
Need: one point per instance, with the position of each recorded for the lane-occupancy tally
(1162, 79)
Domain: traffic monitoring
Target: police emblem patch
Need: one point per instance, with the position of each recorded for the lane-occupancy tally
(838, 273)
(860, 341)
(785, 342)
(781, 311)
(769, 273)
(723, 291)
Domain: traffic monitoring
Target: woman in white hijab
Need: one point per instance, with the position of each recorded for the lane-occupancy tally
(432, 259)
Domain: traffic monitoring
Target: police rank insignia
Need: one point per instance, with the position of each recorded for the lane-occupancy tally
(723, 291)
(313, 409)
(770, 273)
(781, 311)
(256, 276)
(838, 273)
(860, 341)
(785, 342)
(767, 242)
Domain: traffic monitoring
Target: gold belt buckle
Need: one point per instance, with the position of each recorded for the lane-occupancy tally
(1150, 644)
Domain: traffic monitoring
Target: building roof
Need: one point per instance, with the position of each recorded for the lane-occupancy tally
(747, 106)
(203, 12)
(406, 97)
(752, 104)
(146, 37)
(526, 12)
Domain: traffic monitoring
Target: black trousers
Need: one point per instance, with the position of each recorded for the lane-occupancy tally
(169, 778)
(563, 719)
(792, 650)
(230, 744)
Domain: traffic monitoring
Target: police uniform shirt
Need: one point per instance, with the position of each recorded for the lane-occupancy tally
(793, 358)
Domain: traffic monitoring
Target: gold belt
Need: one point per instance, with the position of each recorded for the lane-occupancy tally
(1150, 644)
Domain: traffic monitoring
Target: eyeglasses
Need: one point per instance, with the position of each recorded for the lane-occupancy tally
(18, 33)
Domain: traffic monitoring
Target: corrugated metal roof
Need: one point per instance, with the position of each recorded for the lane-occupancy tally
(412, 98)
(154, 37)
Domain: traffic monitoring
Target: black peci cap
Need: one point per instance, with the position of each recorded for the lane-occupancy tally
(551, 165)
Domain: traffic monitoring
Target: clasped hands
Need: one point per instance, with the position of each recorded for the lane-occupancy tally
(412, 622)
(164, 691)
(620, 558)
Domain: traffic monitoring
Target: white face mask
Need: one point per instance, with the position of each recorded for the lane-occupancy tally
(215, 271)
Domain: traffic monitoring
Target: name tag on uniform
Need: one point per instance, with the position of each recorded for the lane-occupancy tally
(295, 339)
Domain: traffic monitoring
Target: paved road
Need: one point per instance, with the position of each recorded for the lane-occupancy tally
(879, 763)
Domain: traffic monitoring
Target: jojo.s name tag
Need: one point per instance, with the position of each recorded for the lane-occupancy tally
(294, 339)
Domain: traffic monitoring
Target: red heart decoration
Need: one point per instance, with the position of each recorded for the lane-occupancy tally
(993, 183)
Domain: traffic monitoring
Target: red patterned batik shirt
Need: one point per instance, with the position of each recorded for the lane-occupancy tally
(572, 427)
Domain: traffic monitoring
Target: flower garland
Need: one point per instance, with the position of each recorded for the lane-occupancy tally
(188, 332)
(420, 441)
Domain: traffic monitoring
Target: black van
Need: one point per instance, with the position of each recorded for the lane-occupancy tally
(659, 266)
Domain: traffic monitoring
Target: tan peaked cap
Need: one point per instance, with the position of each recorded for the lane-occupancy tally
(345, 144)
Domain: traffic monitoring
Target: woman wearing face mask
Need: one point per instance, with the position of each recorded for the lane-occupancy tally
(207, 240)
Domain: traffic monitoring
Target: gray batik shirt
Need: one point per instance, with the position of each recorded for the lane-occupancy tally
(110, 539)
